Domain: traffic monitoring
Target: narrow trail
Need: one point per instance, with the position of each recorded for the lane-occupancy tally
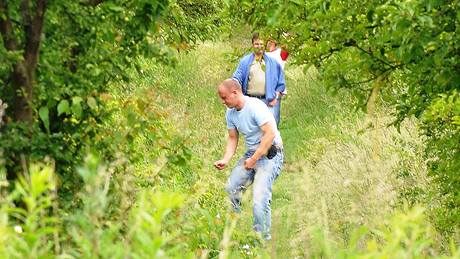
(332, 182)
(291, 198)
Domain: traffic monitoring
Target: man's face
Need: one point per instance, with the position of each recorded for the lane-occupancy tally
(258, 46)
(228, 97)
(271, 46)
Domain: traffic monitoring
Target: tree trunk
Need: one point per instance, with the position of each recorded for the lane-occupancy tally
(23, 85)
(22, 76)
(23, 73)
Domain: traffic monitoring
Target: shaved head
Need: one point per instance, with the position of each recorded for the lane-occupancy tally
(230, 85)
(230, 93)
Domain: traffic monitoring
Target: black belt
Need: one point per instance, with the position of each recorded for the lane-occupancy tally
(259, 97)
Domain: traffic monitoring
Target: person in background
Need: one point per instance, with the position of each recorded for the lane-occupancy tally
(284, 53)
(261, 76)
(261, 163)
(275, 52)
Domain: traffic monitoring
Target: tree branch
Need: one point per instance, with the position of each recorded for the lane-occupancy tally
(95, 2)
(383, 74)
(33, 34)
(6, 28)
(25, 12)
(331, 51)
(372, 55)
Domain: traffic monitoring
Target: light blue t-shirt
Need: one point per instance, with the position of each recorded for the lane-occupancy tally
(248, 120)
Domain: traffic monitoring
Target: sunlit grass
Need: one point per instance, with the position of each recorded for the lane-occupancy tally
(351, 186)
(344, 169)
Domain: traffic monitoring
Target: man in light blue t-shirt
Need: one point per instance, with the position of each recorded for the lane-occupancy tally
(262, 162)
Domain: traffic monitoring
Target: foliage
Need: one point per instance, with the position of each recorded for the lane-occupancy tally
(160, 197)
(26, 230)
(35, 230)
(407, 50)
(83, 48)
(441, 124)
(189, 22)
(405, 235)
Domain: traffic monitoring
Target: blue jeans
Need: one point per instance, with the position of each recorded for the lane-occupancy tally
(262, 177)
(275, 110)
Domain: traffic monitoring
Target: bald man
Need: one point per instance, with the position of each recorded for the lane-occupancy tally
(261, 163)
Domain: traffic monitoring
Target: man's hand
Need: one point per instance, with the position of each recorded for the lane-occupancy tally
(273, 102)
(220, 164)
(249, 163)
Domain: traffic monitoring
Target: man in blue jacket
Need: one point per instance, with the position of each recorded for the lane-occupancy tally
(262, 77)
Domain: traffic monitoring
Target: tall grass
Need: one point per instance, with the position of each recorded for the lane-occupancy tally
(347, 171)
(351, 187)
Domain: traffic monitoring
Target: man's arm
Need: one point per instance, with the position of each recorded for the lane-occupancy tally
(232, 143)
(238, 74)
(265, 144)
(276, 100)
(281, 84)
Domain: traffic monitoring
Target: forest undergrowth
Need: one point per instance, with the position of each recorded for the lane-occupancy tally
(351, 186)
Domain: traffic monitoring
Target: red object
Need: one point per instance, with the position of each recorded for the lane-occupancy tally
(284, 55)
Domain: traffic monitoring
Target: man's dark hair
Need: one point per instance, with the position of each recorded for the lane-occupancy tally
(273, 41)
(255, 36)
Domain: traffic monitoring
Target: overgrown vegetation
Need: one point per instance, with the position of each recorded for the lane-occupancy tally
(334, 198)
(113, 157)
(404, 52)
(59, 59)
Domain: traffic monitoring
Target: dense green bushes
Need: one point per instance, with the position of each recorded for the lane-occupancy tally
(405, 50)
(151, 192)
(40, 229)
(59, 60)
(160, 197)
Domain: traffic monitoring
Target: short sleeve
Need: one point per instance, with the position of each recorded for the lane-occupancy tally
(228, 118)
(261, 113)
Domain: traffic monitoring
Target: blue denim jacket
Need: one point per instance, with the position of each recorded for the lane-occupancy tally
(274, 75)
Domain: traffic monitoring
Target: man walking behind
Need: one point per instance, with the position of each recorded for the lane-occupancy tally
(261, 164)
(274, 51)
(261, 77)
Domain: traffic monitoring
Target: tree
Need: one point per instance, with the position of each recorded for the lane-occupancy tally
(23, 70)
(408, 51)
(59, 59)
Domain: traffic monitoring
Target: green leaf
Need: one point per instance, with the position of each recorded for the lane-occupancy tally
(92, 103)
(77, 110)
(63, 107)
(44, 116)
(370, 15)
(116, 8)
(76, 99)
(299, 2)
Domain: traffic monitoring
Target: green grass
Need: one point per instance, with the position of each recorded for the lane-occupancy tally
(340, 172)
(350, 188)
(344, 169)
